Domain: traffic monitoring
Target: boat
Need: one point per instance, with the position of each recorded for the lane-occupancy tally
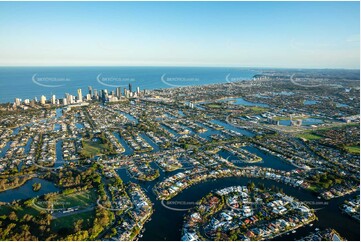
(317, 229)
(311, 225)
(293, 231)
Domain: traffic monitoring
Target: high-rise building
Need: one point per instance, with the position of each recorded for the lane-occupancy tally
(17, 101)
(127, 93)
(138, 91)
(90, 90)
(67, 96)
(65, 101)
(53, 99)
(95, 94)
(130, 87)
(42, 99)
(118, 92)
(80, 96)
(105, 95)
(70, 98)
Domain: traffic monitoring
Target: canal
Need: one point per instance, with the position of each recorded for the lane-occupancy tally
(166, 223)
(59, 154)
(268, 160)
(131, 118)
(150, 142)
(127, 149)
(233, 128)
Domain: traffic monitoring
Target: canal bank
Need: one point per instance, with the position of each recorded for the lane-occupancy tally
(166, 222)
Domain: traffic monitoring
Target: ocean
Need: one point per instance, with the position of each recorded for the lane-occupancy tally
(30, 82)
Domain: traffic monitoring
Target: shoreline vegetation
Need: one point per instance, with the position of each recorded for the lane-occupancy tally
(4, 185)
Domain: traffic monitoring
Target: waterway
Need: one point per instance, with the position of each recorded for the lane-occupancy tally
(170, 130)
(27, 147)
(309, 102)
(305, 122)
(233, 128)
(242, 102)
(59, 154)
(16, 130)
(130, 117)
(150, 142)
(79, 125)
(59, 112)
(207, 135)
(168, 115)
(268, 160)
(57, 127)
(127, 149)
(26, 190)
(5, 149)
(342, 105)
(166, 223)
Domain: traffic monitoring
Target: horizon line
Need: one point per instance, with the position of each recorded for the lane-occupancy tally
(170, 66)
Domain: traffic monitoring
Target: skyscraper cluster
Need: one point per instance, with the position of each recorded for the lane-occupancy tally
(93, 94)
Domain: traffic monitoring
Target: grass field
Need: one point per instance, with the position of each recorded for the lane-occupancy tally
(258, 109)
(78, 199)
(313, 188)
(68, 221)
(309, 136)
(353, 149)
(20, 212)
(91, 148)
(4, 210)
(214, 105)
(279, 118)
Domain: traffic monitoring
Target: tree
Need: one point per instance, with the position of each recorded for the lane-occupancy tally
(78, 225)
(36, 187)
(250, 186)
(13, 216)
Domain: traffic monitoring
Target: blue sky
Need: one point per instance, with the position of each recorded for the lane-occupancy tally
(240, 34)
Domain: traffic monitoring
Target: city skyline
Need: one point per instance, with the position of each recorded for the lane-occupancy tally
(212, 34)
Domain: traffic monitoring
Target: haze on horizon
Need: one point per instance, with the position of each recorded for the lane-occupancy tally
(249, 34)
